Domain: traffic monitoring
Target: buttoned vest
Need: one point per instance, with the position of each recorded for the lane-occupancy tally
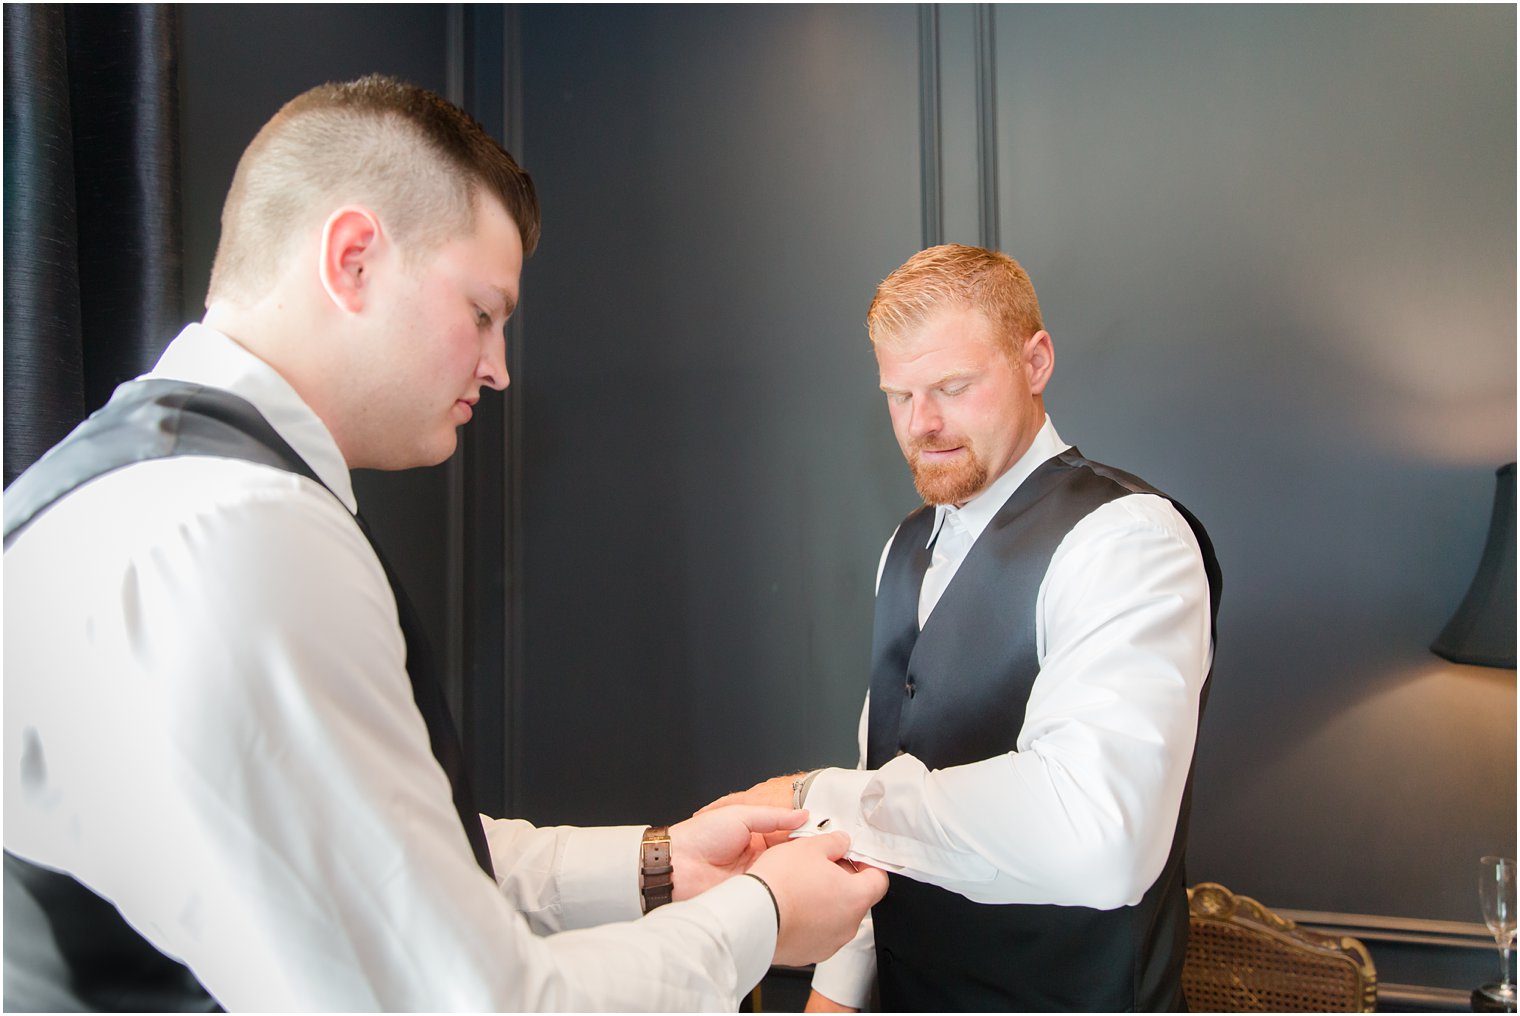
(955, 693)
(62, 939)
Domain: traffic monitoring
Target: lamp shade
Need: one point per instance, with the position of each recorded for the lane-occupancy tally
(1482, 631)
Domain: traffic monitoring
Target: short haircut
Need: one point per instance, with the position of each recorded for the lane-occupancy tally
(954, 276)
(420, 162)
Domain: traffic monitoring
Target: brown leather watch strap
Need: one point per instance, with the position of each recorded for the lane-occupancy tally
(655, 868)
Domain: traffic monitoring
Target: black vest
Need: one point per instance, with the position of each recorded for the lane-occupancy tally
(955, 693)
(63, 943)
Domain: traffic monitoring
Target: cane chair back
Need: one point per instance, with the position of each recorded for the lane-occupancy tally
(1241, 957)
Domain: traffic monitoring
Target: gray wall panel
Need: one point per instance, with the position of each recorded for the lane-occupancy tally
(1276, 248)
(709, 473)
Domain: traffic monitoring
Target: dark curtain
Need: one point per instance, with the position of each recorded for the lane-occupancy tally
(92, 221)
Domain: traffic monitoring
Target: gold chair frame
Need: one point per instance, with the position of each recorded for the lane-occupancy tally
(1242, 957)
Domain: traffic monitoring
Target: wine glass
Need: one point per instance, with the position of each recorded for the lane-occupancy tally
(1496, 891)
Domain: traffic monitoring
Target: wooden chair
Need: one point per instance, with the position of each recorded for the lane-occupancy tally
(1241, 957)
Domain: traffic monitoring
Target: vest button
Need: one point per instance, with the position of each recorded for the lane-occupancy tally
(909, 687)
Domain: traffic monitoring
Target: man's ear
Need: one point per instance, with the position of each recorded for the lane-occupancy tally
(350, 240)
(1039, 361)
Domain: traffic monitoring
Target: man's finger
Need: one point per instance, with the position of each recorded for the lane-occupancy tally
(738, 797)
(833, 845)
(762, 818)
(777, 838)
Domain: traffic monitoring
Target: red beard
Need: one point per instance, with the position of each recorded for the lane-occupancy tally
(951, 482)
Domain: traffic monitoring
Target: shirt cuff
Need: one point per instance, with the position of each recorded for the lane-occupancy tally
(883, 811)
(599, 877)
(834, 794)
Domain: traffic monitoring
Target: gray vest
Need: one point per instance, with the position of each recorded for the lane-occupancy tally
(66, 947)
(955, 693)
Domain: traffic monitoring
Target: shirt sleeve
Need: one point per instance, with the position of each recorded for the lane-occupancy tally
(274, 815)
(847, 976)
(566, 877)
(1082, 813)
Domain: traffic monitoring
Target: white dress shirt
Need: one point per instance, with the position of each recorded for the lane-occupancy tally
(208, 721)
(1083, 812)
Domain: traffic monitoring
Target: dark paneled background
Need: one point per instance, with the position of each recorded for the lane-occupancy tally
(708, 473)
(1275, 246)
(1279, 246)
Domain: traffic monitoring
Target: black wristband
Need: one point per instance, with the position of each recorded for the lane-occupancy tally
(774, 905)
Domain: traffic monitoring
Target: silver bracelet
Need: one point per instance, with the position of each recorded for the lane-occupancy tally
(800, 787)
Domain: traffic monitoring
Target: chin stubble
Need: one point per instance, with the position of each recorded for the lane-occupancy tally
(950, 483)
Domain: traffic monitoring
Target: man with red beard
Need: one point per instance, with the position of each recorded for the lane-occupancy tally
(1042, 648)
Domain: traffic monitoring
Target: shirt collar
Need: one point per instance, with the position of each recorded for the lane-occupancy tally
(978, 512)
(203, 355)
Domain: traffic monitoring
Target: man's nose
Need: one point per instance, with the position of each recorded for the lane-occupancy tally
(924, 418)
(492, 369)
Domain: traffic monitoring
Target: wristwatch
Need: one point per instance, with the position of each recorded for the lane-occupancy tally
(655, 868)
(800, 787)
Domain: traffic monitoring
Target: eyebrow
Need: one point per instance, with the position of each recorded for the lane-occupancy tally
(508, 304)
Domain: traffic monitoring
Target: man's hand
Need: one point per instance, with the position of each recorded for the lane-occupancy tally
(822, 1003)
(718, 843)
(821, 902)
(775, 792)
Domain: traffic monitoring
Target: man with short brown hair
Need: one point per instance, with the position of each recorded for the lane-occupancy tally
(230, 776)
(1042, 647)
